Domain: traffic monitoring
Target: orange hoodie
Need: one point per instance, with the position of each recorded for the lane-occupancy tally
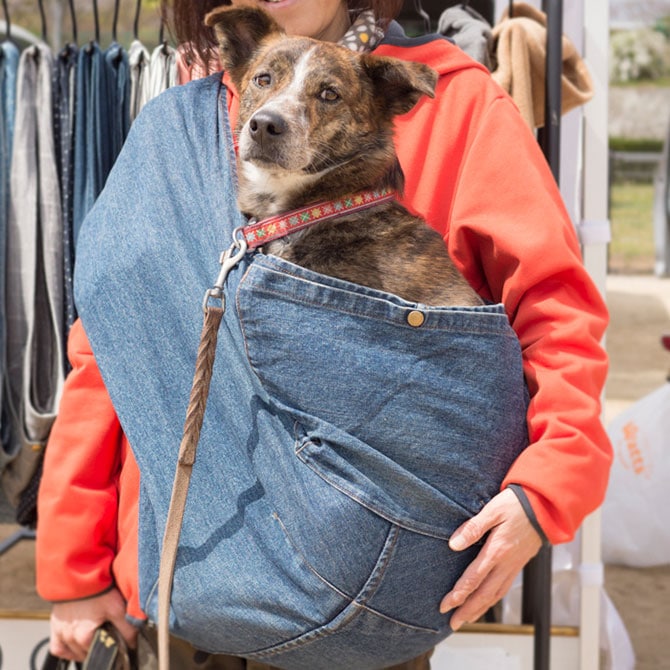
(475, 172)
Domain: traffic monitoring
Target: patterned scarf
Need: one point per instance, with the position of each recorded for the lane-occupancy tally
(364, 34)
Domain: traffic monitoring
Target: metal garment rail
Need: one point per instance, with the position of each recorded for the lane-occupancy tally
(537, 575)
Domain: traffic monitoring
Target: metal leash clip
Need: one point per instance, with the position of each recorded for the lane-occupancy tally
(229, 259)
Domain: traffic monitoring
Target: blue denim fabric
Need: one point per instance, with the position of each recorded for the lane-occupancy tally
(90, 158)
(101, 125)
(340, 447)
(64, 88)
(9, 63)
(118, 68)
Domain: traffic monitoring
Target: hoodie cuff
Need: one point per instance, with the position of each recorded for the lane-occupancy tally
(528, 509)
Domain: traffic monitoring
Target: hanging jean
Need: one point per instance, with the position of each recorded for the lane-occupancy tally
(9, 61)
(163, 69)
(64, 88)
(34, 290)
(139, 62)
(92, 148)
(118, 82)
(341, 447)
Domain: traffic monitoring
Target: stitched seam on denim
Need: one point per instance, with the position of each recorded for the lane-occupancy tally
(407, 305)
(286, 272)
(243, 332)
(400, 322)
(303, 558)
(150, 595)
(318, 633)
(375, 510)
(493, 329)
(372, 584)
(356, 605)
(226, 131)
(325, 631)
(312, 635)
(281, 267)
(386, 617)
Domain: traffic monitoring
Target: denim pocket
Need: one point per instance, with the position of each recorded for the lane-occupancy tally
(416, 412)
(393, 616)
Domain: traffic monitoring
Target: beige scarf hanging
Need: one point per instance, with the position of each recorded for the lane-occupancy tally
(520, 48)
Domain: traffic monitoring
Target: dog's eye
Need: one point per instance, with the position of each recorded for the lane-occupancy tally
(262, 80)
(329, 95)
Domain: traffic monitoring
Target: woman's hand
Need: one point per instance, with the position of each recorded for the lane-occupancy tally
(74, 623)
(511, 543)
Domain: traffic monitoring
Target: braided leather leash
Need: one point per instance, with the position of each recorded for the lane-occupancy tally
(244, 238)
(195, 413)
(187, 448)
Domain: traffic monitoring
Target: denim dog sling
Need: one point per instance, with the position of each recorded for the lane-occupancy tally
(340, 447)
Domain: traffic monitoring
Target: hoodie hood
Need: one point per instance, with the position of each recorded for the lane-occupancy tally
(435, 50)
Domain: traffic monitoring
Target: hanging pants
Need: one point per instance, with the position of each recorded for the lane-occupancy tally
(34, 289)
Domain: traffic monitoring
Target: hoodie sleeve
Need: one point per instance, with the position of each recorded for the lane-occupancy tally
(78, 496)
(475, 171)
(508, 214)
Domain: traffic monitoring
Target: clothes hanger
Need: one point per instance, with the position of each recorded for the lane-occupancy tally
(96, 22)
(161, 37)
(115, 20)
(44, 21)
(73, 19)
(8, 23)
(136, 23)
(485, 8)
(423, 14)
(71, 47)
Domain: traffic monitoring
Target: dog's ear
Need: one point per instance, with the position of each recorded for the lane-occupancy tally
(399, 83)
(240, 31)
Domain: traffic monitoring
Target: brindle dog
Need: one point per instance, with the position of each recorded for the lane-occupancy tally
(316, 123)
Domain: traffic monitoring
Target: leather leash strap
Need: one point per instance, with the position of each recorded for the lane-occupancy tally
(192, 426)
(244, 238)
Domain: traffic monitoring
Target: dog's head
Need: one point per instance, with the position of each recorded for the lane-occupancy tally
(312, 112)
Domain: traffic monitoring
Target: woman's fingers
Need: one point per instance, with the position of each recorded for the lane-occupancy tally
(511, 543)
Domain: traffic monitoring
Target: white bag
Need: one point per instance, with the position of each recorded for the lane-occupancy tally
(635, 529)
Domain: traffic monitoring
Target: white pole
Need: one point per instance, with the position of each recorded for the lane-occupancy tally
(595, 235)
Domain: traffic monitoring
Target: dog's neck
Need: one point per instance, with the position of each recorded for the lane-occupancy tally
(260, 233)
(263, 193)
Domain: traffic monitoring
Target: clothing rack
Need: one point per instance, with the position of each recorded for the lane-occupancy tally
(88, 97)
(537, 576)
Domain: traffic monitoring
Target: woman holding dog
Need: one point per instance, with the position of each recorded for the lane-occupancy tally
(474, 171)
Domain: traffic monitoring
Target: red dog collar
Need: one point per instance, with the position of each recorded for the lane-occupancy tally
(258, 233)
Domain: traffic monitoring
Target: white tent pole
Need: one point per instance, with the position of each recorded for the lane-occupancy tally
(594, 228)
(595, 234)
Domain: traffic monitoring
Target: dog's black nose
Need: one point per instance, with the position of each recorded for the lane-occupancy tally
(267, 124)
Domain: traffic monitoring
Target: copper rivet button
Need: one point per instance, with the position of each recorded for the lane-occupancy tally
(416, 318)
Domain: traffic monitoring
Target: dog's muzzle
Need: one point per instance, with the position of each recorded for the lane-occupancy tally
(269, 138)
